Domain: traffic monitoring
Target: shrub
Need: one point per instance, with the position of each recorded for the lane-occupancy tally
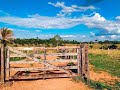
(91, 46)
(70, 64)
(112, 46)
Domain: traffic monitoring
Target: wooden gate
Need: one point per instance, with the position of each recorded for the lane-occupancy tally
(41, 62)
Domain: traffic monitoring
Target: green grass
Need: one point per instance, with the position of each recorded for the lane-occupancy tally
(95, 84)
(16, 58)
(106, 63)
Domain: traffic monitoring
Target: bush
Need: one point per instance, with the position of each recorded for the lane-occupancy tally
(91, 46)
(112, 46)
(70, 64)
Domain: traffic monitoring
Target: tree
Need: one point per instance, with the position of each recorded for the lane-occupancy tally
(6, 36)
(56, 40)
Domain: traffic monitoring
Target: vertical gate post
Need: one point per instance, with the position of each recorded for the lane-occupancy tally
(83, 61)
(79, 59)
(44, 61)
(86, 62)
(2, 64)
(7, 65)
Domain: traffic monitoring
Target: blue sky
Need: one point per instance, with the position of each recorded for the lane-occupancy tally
(82, 20)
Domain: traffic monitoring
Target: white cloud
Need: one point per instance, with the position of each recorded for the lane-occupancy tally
(97, 21)
(108, 37)
(118, 17)
(83, 36)
(68, 36)
(114, 36)
(38, 30)
(37, 21)
(92, 33)
(67, 10)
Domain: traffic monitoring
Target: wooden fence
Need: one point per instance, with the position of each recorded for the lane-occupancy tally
(75, 57)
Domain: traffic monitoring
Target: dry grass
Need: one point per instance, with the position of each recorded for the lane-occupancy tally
(112, 53)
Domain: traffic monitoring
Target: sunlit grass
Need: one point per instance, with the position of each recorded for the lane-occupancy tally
(111, 53)
(106, 63)
(96, 84)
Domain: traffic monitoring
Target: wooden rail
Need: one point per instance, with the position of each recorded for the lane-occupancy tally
(37, 48)
(52, 54)
(80, 52)
(41, 69)
(32, 62)
(41, 76)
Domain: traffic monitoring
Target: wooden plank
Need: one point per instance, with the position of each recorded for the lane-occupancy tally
(78, 61)
(8, 65)
(52, 54)
(42, 76)
(2, 65)
(79, 57)
(41, 69)
(48, 48)
(27, 48)
(87, 73)
(32, 62)
(83, 62)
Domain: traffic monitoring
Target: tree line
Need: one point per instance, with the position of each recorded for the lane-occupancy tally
(56, 42)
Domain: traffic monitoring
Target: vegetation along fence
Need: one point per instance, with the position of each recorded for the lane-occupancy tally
(42, 62)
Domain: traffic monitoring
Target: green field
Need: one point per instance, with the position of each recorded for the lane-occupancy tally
(104, 62)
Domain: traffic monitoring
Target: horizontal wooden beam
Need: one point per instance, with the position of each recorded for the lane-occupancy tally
(48, 48)
(52, 54)
(40, 76)
(40, 69)
(32, 62)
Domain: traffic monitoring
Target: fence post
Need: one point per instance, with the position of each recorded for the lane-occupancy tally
(44, 61)
(7, 65)
(83, 60)
(2, 64)
(79, 57)
(87, 75)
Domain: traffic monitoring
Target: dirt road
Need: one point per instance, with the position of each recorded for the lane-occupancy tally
(48, 84)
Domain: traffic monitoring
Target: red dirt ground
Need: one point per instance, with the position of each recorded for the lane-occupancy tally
(60, 83)
(48, 84)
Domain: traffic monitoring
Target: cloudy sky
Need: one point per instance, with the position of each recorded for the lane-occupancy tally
(82, 20)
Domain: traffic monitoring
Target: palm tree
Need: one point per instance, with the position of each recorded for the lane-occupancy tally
(6, 36)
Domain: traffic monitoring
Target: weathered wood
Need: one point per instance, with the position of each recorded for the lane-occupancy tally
(32, 62)
(44, 61)
(78, 61)
(83, 62)
(86, 63)
(82, 59)
(37, 60)
(53, 48)
(52, 54)
(41, 76)
(7, 65)
(2, 64)
(41, 69)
